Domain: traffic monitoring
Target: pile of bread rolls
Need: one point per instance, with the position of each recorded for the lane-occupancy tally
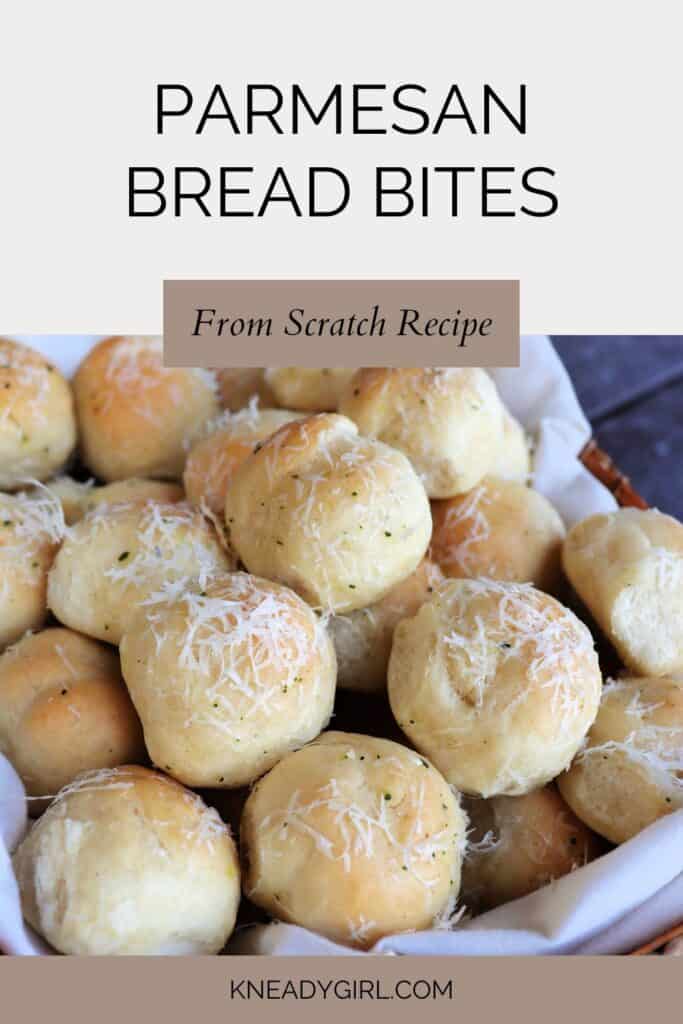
(198, 570)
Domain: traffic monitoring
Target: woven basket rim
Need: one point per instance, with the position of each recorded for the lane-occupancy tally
(599, 463)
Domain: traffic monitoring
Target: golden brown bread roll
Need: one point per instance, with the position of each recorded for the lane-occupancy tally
(228, 678)
(125, 862)
(517, 844)
(37, 419)
(119, 556)
(80, 498)
(513, 460)
(308, 389)
(213, 460)
(317, 505)
(353, 837)
(627, 568)
(135, 415)
(31, 530)
(64, 709)
(497, 683)
(238, 386)
(448, 421)
(71, 495)
(630, 772)
(362, 639)
(501, 530)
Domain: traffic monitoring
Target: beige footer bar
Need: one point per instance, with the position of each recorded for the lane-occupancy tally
(396, 989)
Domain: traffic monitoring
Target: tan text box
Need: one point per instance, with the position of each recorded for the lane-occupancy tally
(341, 323)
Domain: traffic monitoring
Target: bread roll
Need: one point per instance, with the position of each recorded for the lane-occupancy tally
(79, 498)
(513, 459)
(355, 838)
(238, 386)
(37, 419)
(228, 678)
(212, 461)
(338, 517)
(501, 530)
(64, 709)
(308, 389)
(125, 862)
(627, 567)
(449, 422)
(362, 639)
(31, 530)
(71, 495)
(119, 556)
(517, 844)
(497, 683)
(135, 414)
(630, 773)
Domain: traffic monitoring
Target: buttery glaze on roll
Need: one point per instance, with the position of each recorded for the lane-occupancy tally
(135, 415)
(630, 772)
(500, 530)
(37, 418)
(627, 568)
(31, 530)
(513, 461)
(78, 498)
(238, 386)
(120, 556)
(213, 460)
(64, 709)
(125, 862)
(337, 517)
(355, 838)
(448, 421)
(228, 678)
(362, 639)
(497, 683)
(517, 844)
(307, 389)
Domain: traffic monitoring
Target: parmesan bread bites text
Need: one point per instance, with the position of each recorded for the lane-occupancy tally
(517, 844)
(31, 530)
(362, 639)
(135, 416)
(627, 568)
(228, 678)
(64, 709)
(355, 838)
(119, 556)
(37, 419)
(501, 530)
(125, 862)
(213, 460)
(338, 517)
(497, 683)
(308, 389)
(630, 773)
(448, 421)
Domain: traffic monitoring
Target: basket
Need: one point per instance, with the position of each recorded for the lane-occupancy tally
(601, 466)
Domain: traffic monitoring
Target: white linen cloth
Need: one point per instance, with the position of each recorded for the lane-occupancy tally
(609, 906)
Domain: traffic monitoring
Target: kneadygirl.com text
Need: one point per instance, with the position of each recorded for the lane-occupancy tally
(265, 989)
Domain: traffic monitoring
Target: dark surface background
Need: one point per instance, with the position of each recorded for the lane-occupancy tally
(631, 389)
